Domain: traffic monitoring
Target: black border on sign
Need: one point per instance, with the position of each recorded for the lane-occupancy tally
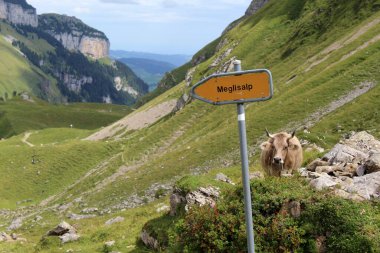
(236, 73)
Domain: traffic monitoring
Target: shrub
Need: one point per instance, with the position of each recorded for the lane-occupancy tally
(222, 228)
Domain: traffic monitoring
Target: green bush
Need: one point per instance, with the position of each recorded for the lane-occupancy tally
(222, 228)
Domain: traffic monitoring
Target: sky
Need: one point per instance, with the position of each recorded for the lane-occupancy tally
(156, 26)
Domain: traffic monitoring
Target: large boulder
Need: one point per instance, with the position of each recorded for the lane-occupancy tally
(62, 229)
(202, 196)
(373, 163)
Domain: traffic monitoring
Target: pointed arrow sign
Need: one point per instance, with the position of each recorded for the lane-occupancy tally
(235, 87)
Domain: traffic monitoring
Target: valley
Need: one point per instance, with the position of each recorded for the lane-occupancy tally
(111, 171)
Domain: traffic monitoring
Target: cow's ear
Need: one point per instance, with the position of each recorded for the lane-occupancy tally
(265, 145)
(294, 146)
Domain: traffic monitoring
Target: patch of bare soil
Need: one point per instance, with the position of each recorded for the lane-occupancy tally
(135, 121)
(339, 44)
(25, 139)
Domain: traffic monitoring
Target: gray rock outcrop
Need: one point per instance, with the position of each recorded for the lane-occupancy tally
(65, 232)
(255, 6)
(352, 168)
(74, 35)
(18, 14)
(114, 220)
(149, 240)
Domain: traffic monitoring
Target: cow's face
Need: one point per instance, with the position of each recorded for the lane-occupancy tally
(280, 149)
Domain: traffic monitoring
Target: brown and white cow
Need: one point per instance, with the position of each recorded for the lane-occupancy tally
(281, 154)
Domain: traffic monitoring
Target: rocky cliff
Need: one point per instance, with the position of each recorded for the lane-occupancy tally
(18, 12)
(75, 35)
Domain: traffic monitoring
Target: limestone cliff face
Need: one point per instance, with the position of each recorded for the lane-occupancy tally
(75, 35)
(18, 12)
(255, 6)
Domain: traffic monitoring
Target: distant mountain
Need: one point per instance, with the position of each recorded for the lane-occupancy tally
(60, 60)
(175, 59)
(150, 71)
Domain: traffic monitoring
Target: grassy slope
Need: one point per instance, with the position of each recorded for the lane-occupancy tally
(207, 135)
(17, 116)
(16, 73)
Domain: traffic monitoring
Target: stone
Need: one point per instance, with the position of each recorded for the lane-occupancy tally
(326, 169)
(321, 244)
(255, 6)
(149, 241)
(256, 175)
(73, 216)
(293, 208)
(322, 182)
(360, 171)
(363, 142)
(62, 229)
(373, 163)
(367, 186)
(90, 210)
(117, 219)
(69, 237)
(15, 224)
(223, 178)
(316, 163)
(109, 244)
(163, 208)
(176, 200)
(4, 237)
(18, 14)
(202, 196)
(93, 44)
(344, 154)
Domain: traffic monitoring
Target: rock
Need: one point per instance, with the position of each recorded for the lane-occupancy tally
(256, 175)
(292, 207)
(4, 237)
(321, 244)
(367, 186)
(202, 196)
(363, 142)
(18, 14)
(73, 216)
(16, 224)
(373, 163)
(360, 171)
(326, 169)
(117, 219)
(346, 195)
(163, 208)
(37, 218)
(255, 6)
(303, 172)
(176, 200)
(74, 35)
(109, 244)
(90, 210)
(322, 182)
(69, 237)
(316, 163)
(62, 229)
(223, 178)
(149, 241)
(344, 154)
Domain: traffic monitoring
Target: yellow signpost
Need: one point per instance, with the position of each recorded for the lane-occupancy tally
(235, 87)
(238, 88)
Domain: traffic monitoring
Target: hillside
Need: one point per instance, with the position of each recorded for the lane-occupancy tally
(151, 71)
(23, 114)
(64, 60)
(324, 59)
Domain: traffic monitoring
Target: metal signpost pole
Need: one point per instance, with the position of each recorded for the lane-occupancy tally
(245, 172)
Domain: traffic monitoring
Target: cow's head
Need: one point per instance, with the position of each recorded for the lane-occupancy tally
(280, 144)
